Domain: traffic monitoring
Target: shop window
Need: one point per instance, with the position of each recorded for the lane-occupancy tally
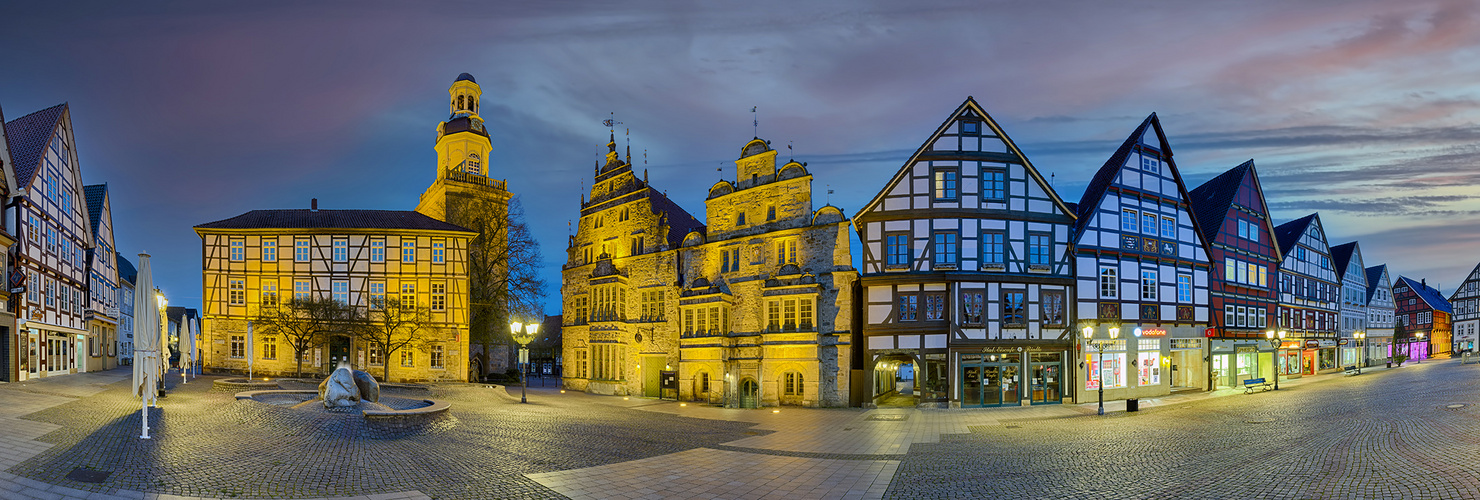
(1148, 362)
(1107, 367)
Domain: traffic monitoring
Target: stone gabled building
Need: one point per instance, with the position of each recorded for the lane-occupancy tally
(750, 310)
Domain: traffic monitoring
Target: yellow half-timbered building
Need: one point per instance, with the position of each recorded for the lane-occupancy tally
(264, 257)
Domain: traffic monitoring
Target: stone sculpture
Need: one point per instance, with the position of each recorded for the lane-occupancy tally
(369, 388)
(340, 389)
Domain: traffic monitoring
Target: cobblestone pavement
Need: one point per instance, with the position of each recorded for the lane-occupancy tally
(1411, 432)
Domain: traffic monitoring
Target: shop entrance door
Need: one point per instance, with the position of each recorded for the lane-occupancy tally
(1222, 373)
(993, 381)
(1045, 378)
(971, 386)
(1308, 362)
(992, 385)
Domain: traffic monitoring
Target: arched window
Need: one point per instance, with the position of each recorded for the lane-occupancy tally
(701, 387)
(459, 104)
(473, 165)
(792, 384)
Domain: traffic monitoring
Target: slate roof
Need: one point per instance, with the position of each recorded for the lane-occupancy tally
(1090, 201)
(95, 194)
(29, 136)
(332, 219)
(1432, 297)
(1289, 233)
(1341, 255)
(1374, 278)
(126, 270)
(1211, 200)
(680, 223)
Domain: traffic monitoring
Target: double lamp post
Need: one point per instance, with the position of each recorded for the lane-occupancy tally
(524, 334)
(1099, 345)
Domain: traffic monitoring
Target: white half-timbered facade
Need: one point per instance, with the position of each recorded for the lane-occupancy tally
(1347, 258)
(102, 287)
(966, 274)
(1309, 293)
(1142, 270)
(1466, 304)
(1381, 309)
(53, 244)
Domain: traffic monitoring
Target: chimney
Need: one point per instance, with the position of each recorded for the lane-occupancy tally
(1424, 282)
(313, 205)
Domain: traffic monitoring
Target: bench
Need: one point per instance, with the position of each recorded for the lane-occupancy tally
(1351, 370)
(1256, 383)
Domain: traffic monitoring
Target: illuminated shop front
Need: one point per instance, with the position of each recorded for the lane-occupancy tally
(1134, 367)
(1237, 360)
(1011, 376)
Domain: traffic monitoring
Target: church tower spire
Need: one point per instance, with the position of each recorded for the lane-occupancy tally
(463, 150)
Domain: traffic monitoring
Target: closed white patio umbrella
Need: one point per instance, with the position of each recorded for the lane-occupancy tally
(147, 343)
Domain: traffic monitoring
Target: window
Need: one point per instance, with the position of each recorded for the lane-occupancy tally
(269, 293)
(341, 250)
(301, 289)
(374, 355)
(51, 239)
(408, 252)
(786, 251)
(436, 357)
(1148, 285)
(1148, 362)
(1013, 310)
(637, 246)
(771, 212)
(1039, 249)
(33, 287)
(1128, 221)
(269, 251)
(51, 292)
(1148, 223)
(238, 346)
(909, 304)
(1150, 164)
(804, 315)
(300, 250)
(971, 128)
(377, 250)
(236, 291)
(652, 305)
(377, 294)
(408, 295)
(971, 308)
(439, 296)
(946, 180)
(993, 251)
(947, 249)
(238, 250)
(935, 307)
(994, 185)
(1243, 229)
(897, 249)
(1184, 288)
(740, 219)
(34, 229)
(792, 384)
(439, 251)
(408, 359)
(1168, 227)
(269, 347)
(725, 264)
(339, 291)
(1052, 304)
(1108, 283)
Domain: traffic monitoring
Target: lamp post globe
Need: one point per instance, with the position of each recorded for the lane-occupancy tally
(523, 334)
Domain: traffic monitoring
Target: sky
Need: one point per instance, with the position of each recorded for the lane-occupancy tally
(192, 112)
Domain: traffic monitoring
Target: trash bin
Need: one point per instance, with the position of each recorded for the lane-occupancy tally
(1133, 404)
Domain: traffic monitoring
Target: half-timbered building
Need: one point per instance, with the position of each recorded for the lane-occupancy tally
(1234, 220)
(263, 258)
(1309, 293)
(102, 281)
(1466, 304)
(967, 274)
(1347, 257)
(1425, 323)
(12, 342)
(1380, 313)
(1142, 270)
(55, 237)
(127, 275)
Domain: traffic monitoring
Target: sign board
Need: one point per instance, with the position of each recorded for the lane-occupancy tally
(1153, 332)
(523, 356)
(1312, 344)
(1344, 342)
(668, 380)
(1211, 332)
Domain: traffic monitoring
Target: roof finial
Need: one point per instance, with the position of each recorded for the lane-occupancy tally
(755, 124)
(629, 145)
(790, 152)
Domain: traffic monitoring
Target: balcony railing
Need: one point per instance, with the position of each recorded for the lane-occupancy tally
(460, 176)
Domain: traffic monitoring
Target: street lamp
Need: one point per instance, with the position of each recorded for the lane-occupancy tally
(164, 338)
(1419, 360)
(523, 334)
(1361, 348)
(1099, 346)
(1275, 340)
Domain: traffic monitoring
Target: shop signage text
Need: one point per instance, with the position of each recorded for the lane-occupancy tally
(1153, 332)
(1312, 344)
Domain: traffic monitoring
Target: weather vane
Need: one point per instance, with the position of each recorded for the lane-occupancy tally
(755, 124)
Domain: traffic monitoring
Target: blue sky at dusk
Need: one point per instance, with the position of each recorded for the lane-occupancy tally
(1365, 111)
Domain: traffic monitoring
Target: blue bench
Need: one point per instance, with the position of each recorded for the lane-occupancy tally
(1350, 370)
(1255, 383)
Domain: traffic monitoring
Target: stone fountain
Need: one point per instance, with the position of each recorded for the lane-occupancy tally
(355, 395)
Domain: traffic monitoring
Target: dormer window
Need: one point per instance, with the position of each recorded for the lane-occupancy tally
(971, 128)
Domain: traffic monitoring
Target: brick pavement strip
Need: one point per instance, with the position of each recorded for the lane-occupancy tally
(1390, 434)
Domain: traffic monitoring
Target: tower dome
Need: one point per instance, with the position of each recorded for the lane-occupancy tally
(464, 76)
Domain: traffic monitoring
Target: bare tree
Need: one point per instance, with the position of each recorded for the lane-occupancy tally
(305, 323)
(394, 326)
(503, 270)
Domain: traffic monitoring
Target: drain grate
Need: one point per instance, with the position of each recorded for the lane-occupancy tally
(1260, 421)
(888, 418)
(82, 475)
